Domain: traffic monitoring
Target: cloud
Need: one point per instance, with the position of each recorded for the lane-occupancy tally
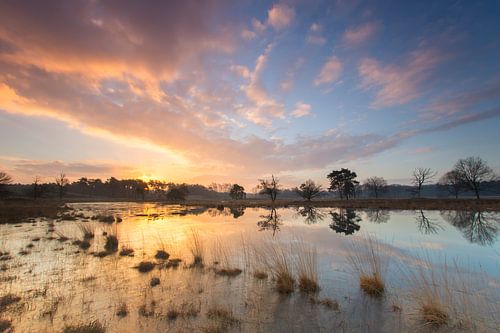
(288, 83)
(280, 16)
(108, 38)
(398, 85)
(314, 36)
(248, 34)
(462, 102)
(29, 169)
(330, 72)
(263, 107)
(301, 110)
(357, 35)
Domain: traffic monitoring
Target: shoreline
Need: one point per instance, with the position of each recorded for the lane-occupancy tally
(486, 204)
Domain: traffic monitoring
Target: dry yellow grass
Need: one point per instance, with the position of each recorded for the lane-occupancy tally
(365, 257)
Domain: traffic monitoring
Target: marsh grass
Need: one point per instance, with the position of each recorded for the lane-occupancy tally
(5, 325)
(222, 317)
(145, 266)
(196, 248)
(92, 327)
(365, 257)
(126, 251)
(122, 310)
(87, 230)
(111, 244)
(307, 267)
(222, 258)
(280, 263)
(7, 300)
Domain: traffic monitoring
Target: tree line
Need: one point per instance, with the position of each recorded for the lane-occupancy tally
(467, 175)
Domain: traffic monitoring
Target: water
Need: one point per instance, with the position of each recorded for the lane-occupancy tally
(59, 284)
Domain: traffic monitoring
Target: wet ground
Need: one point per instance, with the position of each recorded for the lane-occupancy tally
(56, 281)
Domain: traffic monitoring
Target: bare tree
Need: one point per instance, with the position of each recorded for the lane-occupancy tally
(453, 182)
(269, 187)
(422, 176)
(5, 178)
(36, 187)
(473, 171)
(61, 182)
(308, 190)
(376, 184)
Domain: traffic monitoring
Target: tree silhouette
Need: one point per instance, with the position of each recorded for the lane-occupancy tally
(308, 190)
(237, 192)
(345, 221)
(61, 182)
(473, 171)
(4, 180)
(343, 181)
(453, 183)
(376, 185)
(269, 187)
(422, 176)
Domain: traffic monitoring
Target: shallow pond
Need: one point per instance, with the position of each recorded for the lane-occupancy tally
(452, 254)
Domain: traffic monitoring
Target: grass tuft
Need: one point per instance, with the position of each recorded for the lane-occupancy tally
(434, 314)
(197, 248)
(7, 300)
(122, 310)
(364, 255)
(92, 327)
(372, 285)
(145, 266)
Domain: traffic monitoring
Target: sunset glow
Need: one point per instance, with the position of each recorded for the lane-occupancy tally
(217, 91)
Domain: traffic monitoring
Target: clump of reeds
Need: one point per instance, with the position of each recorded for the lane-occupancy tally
(92, 327)
(145, 266)
(197, 248)
(307, 268)
(126, 251)
(122, 310)
(281, 266)
(162, 255)
(222, 258)
(87, 230)
(154, 282)
(7, 300)
(61, 237)
(261, 275)
(366, 260)
(5, 325)
(223, 317)
(111, 244)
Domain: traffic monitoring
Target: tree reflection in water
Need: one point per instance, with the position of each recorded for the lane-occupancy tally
(425, 225)
(378, 215)
(345, 221)
(310, 214)
(237, 211)
(271, 221)
(477, 227)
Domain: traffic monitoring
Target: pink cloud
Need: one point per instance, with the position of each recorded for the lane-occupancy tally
(301, 110)
(397, 85)
(280, 16)
(360, 34)
(330, 72)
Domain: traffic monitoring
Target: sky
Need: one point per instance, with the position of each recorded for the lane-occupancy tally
(234, 91)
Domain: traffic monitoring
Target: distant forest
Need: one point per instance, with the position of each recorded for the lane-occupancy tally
(135, 189)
